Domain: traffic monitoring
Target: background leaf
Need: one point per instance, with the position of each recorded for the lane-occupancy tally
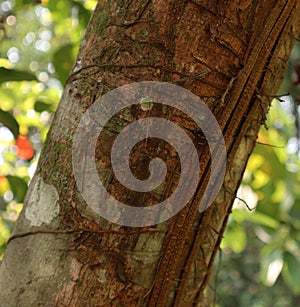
(63, 60)
(291, 272)
(15, 75)
(18, 187)
(271, 267)
(9, 122)
(21, 3)
(235, 237)
(257, 218)
(41, 106)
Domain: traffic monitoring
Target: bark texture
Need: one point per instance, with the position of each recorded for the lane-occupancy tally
(233, 55)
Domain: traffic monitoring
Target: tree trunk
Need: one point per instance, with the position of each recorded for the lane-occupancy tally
(233, 55)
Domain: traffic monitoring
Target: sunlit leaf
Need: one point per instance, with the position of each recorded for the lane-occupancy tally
(18, 187)
(235, 237)
(3, 184)
(15, 75)
(260, 179)
(255, 161)
(9, 122)
(5, 232)
(272, 165)
(256, 217)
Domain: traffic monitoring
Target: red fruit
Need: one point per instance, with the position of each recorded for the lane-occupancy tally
(24, 147)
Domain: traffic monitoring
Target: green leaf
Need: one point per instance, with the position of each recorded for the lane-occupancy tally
(21, 3)
(63, 60)
(84, 14)
(60, 10)
(256, 217)
(291, 272)
(41, 106)
(271, 267)
(9, 122)
(235, 237)
(15, 75)
(2, 204)
(18, 187)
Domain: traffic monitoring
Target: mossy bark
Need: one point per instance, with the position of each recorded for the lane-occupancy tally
(233, 55)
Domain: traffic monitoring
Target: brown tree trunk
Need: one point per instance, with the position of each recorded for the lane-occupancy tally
(233, 55)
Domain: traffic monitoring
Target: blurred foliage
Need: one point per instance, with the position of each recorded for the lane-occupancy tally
(260, 258)
(260, 252)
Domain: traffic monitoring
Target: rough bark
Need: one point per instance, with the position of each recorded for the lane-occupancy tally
(232, 54)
